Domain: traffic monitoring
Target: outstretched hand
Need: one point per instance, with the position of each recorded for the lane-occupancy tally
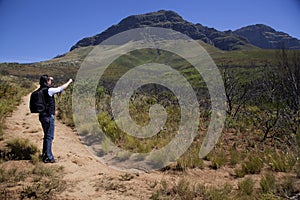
(64, 86)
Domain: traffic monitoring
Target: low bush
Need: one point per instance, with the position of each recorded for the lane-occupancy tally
(43, 189)
(267, 183)
(21, 149)
(282, 162)
(246, 186)
(184, 189)
(190, 159)
(218, 159)
(42, 170)
(234, 157)
(252, 165)
(215, 193)
(11, 175)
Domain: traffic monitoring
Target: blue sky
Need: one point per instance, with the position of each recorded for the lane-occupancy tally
(37, 30)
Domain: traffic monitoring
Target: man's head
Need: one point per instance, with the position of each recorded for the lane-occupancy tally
(45, 81)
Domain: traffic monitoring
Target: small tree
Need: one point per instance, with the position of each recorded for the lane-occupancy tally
(279, 115)
(288, 72)
(267, 117)
(236, 91)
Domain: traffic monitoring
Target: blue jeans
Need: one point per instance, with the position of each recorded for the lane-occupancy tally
(47, 122)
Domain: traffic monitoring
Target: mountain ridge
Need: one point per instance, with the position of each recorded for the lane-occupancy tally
(252, 36)
(264, 36)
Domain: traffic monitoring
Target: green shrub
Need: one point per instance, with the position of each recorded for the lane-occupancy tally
(11, 175)
(35, 159)
(246, 186)
(267, 183)
(183, 189)
(42, 190)
(64, 108)
(281, 162)
(109, 127)
(43, 170)
(239, 172)
(218, 159)
(21, 149)
(253, 165)
(215, 193)
(234, 157)
(190, 159)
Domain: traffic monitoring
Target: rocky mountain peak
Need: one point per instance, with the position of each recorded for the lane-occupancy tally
(266, 37)
(161, 16)
(258, 35)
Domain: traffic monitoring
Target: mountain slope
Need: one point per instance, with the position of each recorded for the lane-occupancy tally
(266, 37)
(169, 19)
(248, 37)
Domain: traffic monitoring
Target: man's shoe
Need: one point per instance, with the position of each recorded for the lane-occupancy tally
(47, 160)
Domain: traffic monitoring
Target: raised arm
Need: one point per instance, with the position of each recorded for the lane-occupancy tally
(64, 86)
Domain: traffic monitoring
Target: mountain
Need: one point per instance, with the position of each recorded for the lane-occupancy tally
(224, 40)
(266, 37)
(169, 19)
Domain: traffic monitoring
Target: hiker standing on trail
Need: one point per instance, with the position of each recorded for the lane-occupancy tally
(47, 117)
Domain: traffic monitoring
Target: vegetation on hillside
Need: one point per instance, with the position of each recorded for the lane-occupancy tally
(261, 134)
(261, 137)
(11, 91)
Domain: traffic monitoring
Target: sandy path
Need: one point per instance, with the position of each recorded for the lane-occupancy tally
(86, 177)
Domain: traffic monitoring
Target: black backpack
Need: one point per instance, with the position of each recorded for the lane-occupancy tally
(37, 102)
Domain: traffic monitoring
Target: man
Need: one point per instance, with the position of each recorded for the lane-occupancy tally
(47, 117)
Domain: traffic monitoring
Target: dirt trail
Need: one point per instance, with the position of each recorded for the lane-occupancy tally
(85, 176)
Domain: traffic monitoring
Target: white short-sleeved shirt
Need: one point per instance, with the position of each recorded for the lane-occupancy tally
(53, 91)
